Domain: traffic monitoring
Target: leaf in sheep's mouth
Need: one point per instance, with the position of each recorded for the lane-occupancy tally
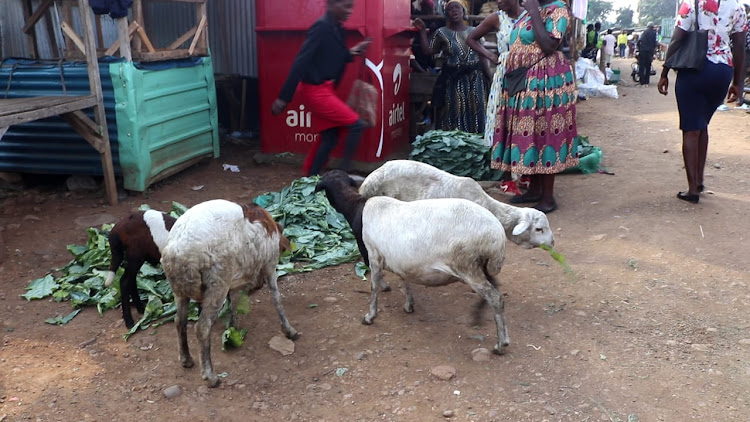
(557, 256)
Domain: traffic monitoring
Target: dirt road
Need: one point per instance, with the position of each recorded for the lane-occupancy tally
(653, 325)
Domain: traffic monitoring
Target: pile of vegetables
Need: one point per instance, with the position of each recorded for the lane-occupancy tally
(458, 153)
(320, 237)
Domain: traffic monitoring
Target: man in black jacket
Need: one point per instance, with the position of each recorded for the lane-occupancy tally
(315, 73)
(646, 48)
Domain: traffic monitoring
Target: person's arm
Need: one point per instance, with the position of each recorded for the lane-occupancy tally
(545, 40)
(490, 23)
(424, 43)
(678, 36)
(302, 61)
(738, 58)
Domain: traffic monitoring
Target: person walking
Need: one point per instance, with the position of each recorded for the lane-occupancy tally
(316, 71)
(700, 92)
(622, 43)
(537, 132)
(646, 49)
(460, 92)
(609, 47)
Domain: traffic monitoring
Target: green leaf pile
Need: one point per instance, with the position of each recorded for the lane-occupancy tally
(458, 153)
(320, 237)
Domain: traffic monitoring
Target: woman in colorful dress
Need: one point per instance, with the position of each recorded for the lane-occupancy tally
(460, 93)
(502, 23)
(700, 92)
(537, 130)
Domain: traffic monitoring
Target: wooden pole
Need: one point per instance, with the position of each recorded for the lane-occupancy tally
(123, 34)
(67, 17)
(96, 90)
(138, 17)
(31, 35)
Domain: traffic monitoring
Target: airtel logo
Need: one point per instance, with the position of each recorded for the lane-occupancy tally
(396, 79)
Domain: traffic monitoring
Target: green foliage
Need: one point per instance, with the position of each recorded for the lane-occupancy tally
(598, 11)
(458, 153)
(232, 338)
(656, 10)
(320, 237)
(624, 18)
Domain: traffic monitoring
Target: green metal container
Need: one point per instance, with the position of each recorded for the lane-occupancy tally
(166, 118)
(615, 76)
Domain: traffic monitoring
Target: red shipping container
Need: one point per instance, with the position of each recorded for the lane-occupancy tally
(281, 29)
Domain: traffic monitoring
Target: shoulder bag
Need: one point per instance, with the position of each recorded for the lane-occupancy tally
(515, 80)
(692, 51)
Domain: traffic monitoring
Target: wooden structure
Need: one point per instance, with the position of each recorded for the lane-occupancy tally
(21, 110)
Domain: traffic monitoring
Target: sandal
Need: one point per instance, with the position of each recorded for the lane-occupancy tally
(546, 208)
(688, 197)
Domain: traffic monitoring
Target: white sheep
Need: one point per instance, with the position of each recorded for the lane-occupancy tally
(432, 242)
(219, 247)
(412, 180)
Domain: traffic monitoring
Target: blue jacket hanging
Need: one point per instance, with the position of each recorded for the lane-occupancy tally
(115, 8)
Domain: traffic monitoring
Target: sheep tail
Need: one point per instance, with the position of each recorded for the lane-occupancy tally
(118, 254)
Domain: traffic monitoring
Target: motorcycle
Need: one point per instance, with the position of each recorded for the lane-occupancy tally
(634, 73)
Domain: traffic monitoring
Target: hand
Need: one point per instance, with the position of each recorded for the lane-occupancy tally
(278, 106)
(734, 93)
(419, 24)
(494, 59)
(663, 85)
(361, 47)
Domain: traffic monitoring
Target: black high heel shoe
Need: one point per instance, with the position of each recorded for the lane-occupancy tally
(688, 197)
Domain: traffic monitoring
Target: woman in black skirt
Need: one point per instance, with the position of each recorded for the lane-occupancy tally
(699, 93)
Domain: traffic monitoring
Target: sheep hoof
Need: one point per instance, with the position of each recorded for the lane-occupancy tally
(129, 323)
(409, 308)
(500, 349)
(367, 321)
(187, 362)
(212, 380)
(292, 334)
(385, 287)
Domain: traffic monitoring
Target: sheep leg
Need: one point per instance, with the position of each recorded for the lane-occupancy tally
(286, 327)
(183, 306)
(213, 300)
(129, 291)
(376, 281)
(494, 298)
(409, 303)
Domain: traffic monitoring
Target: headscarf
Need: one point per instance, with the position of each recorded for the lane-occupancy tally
(463, 4)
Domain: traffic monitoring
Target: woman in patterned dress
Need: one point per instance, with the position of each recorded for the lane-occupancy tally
(502, 23)
(699, 93)
(460, 94)
(537, 130)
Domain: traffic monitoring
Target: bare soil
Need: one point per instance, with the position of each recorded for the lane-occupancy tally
(652, 326)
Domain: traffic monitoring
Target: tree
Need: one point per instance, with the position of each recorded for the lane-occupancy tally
(598, 11)
(656, 10)
(624, 18)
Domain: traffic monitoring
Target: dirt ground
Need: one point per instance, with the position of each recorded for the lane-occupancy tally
(652, 326)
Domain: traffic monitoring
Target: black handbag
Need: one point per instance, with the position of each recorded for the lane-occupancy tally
(515, 80)
(692, 51)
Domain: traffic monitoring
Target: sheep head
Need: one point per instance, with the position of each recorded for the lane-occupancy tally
(256, 213)
(532, 230)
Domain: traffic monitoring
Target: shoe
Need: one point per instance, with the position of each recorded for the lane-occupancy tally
(722, 107)
(547, 209)
(701, 188)
(744, 106)
(524, 199)
(688, 197)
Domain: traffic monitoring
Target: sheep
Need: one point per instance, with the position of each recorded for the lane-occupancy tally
(432, 242)
(217, 248)
(138, 238)
(411, 180)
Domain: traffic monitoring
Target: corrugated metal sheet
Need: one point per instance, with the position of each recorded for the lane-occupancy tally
(50, 145)
(231, 31)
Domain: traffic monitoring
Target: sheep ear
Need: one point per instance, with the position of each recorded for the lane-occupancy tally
(521, 227)
(356, 180)
(320, 186)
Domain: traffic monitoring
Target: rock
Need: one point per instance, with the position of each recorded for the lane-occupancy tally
(282, 345)
(443, 372)
(78, 183)
(717, 165)
(700, 347)
(448, 414)
(745, 341)
(31, 217)
(575, 352)
(94, 220)
(480, 354)
(330, 299)
(172, 392)
(550, 409)
(360, 356)
(203, 389)
(597, 237)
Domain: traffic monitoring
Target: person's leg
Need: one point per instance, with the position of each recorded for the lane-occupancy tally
(702, 155)
(547, 202)
(647, 68)
(533, 194)
(641, 68)
(691, 158)
(328, 140)
(352, 141)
